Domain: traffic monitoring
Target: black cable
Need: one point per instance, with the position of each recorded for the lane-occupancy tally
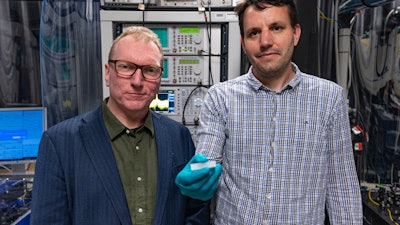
(143, 20)
(385, 42)
(384, 68)
(208, 29)
(210, 77)
(366, 4)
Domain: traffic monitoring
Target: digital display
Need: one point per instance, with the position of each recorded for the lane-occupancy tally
(165, 69)
(164, 102)
(20, 132)
(189, 30)
(162, 34)
(189, 61)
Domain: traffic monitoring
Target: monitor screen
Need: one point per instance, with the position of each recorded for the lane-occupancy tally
(162, 34)
(165, 67)
(164, 102)
(20, 132)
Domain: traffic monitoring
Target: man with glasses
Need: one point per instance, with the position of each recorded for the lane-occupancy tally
(117, 164)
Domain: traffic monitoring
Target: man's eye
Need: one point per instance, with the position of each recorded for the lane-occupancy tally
(125, 66)
(150, 69)
(252, 34)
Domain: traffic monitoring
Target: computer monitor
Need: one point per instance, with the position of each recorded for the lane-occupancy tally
(21, 130)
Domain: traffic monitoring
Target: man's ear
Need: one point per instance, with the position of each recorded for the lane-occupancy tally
(243, 46)
(107, 74)
(296, 34)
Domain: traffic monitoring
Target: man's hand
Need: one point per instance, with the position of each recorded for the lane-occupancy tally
(199, 184)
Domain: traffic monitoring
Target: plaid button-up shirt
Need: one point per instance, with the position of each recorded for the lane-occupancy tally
(286, 155)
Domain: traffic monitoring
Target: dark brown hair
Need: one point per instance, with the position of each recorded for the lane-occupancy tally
(262, 4)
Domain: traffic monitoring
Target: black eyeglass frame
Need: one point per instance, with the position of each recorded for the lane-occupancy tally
(137, 67)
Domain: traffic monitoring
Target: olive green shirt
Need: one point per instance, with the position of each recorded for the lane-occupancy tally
(136, 157)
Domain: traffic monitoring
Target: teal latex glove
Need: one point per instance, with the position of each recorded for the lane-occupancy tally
(198, 184)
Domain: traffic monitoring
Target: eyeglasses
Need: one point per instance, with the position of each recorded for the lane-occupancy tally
(127, 69)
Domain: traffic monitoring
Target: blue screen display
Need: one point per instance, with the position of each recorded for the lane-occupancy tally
(20, 132)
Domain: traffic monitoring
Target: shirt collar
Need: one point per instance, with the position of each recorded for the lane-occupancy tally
(257, 85)
(115, 128)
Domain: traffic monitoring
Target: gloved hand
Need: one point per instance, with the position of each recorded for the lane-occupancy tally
(198, 184)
